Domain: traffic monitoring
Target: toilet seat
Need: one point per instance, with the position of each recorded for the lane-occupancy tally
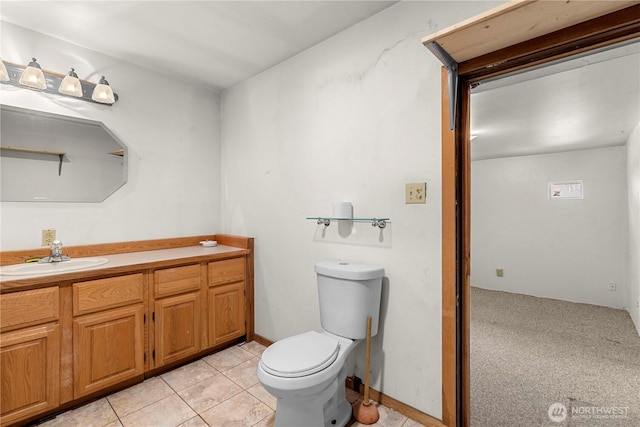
(300, 355)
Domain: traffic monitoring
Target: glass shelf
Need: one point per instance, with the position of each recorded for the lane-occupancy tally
(375, 222)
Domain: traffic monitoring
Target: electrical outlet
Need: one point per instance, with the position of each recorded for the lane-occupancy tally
(499, 272)
(48, 236)
(415, 192)
(612, 286)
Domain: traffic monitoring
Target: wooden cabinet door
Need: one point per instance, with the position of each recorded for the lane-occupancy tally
(30, 371)
(226, 313)
(108, 348)
(177, 327)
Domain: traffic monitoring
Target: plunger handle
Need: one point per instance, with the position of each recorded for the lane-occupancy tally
(365, 412)
(367, 362)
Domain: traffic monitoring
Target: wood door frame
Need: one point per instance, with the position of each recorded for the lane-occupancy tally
(456, 183)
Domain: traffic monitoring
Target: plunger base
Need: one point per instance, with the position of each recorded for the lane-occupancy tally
(366, 413)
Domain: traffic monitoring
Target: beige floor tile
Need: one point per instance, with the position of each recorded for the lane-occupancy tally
(389, 417)
(188, 375)
(254, 347)
(94, 414)
(412, 423)
(168, 412)
(228, 358)
(194, 422)
(209, 392)
(260, 393)
(244, 374)
(241, 410)
(222, 388)
(269, 421)
(140, 395)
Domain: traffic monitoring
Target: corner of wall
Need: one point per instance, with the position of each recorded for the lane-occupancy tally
(633, 241)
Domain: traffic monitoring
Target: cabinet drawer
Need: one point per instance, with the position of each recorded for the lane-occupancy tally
(29, 307)
(226, 271)
(102, 294)
(171, 281)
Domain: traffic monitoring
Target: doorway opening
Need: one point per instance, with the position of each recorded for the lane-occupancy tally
(515, 49)
(546, 327)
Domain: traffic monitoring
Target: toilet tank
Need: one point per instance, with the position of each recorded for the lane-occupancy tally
(348, 293)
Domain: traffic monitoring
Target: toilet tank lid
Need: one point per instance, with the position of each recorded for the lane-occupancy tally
(349, 271)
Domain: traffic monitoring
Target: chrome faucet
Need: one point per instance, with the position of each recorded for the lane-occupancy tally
(56, 253)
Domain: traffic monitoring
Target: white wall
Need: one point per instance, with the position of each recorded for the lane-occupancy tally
(174, 141)
(353, 118)
(562, 249)
(633, 254)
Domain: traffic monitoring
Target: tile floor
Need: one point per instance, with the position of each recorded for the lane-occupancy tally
(218, 390)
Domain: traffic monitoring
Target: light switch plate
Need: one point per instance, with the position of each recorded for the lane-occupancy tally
(415, 192)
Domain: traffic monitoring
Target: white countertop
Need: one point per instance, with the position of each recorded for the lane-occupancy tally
(118, 263)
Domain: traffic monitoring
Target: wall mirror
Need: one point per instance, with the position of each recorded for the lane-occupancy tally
(48, 157)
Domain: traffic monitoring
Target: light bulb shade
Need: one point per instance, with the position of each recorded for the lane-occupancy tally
(102, 93)
(70, 85)
(4, 74)
(33, 77)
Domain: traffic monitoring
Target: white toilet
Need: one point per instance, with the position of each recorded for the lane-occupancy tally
(306, 372)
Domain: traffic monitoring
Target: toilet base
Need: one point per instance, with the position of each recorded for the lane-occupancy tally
(343, 415)
(328, 409)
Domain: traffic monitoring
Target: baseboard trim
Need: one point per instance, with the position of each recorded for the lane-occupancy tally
(381, 398)
(262, 340)
(403, 408)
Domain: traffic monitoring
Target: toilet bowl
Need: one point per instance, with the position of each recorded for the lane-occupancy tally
(306, 373)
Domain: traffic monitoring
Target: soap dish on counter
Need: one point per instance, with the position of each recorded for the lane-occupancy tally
(209, 243)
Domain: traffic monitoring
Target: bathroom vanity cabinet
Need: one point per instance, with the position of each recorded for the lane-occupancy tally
(177, 313)
(68, 338)
(30, 349)
(226, 299)
(108, 332)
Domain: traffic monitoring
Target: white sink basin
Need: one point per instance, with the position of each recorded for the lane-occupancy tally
(34, 268)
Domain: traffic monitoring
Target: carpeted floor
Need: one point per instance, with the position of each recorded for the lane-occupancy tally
(530, 353)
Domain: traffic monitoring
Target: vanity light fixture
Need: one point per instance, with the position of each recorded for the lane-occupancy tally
(102, 93)
(70, 85)
(34, 77)
(4, 74)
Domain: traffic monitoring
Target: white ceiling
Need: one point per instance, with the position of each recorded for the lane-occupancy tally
(585, 104)
(212, 43)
